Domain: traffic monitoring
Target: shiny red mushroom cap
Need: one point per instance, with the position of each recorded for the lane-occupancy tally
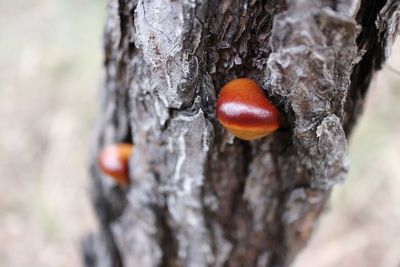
(244, 110)
(114, 162)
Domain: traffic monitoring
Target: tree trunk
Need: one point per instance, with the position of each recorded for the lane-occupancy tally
(198, 196)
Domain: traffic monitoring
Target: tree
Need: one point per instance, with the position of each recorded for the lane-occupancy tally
(200, 197)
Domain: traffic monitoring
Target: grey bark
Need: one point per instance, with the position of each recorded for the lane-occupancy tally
(200, 197)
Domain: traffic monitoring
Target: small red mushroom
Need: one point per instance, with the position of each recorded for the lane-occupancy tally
(114, 161)
(244, 110)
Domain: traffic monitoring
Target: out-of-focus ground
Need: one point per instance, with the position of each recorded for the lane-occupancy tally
(50, 73)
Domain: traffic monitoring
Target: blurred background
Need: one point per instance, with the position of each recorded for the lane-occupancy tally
(50, 73)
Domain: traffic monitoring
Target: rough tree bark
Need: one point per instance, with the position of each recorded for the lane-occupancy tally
(200, 197)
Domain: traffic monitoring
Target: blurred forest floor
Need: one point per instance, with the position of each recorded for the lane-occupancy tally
(50, 73)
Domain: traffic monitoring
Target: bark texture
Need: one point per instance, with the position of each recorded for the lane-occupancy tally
(200, 197)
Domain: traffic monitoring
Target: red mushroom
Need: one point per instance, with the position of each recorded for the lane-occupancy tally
(244, 110)
(114, 162)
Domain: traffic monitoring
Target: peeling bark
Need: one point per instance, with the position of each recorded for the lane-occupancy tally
(200, 197)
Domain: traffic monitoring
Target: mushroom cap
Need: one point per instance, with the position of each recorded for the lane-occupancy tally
(244, 110)
(114, 161)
